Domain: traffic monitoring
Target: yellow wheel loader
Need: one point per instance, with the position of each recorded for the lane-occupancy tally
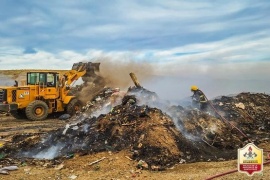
(46, 92)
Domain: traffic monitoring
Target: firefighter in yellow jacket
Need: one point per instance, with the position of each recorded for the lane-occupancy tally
(198, 98)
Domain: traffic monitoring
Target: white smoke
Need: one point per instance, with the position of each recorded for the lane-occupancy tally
(164, 105)
(49, 153)
(85, 128)
(105, 109)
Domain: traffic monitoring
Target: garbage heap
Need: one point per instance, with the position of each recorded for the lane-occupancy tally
(248, 111)
(161, 137)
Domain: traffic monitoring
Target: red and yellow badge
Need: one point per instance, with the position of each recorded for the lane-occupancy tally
(250, 159)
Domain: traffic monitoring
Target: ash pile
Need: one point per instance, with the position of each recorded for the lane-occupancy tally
(153, 131)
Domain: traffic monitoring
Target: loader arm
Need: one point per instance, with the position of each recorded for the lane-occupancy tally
(86, 70)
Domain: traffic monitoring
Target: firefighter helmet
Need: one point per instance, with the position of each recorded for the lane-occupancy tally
(194, 88)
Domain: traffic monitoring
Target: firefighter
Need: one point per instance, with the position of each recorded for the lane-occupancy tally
(198, 98)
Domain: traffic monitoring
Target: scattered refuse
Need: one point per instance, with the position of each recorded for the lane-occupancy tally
(64, 117)
(128, 158)
(240, 105)
(59, 167)
(142, 165)
(97, 161)
(73, 177)
(5, 170)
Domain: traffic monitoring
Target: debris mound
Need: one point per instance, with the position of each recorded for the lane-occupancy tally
(249, 111)
(159, 137)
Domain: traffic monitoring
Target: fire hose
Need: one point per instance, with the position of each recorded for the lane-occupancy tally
(229, 172)
(226, 121)
(233, 127)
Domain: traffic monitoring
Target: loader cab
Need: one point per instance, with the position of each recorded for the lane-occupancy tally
(46, 79)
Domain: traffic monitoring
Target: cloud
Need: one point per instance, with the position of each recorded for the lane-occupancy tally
(127, 25)
(189, 39)
(29, 50)
(236, 55)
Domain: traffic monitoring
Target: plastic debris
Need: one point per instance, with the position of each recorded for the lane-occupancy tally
(64, 117)
(240, 105)
(73, 177)
(5, 170)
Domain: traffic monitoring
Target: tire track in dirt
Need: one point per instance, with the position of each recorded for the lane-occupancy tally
(10, 126)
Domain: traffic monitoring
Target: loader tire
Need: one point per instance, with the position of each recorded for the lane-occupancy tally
(37, 110)
(73, 106)
(18, 114)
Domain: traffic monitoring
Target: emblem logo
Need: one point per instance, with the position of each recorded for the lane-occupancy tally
(250, 159)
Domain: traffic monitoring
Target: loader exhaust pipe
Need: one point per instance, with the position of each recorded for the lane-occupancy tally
(135, 81)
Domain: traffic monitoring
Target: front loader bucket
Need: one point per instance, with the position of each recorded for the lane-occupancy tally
(91, 68)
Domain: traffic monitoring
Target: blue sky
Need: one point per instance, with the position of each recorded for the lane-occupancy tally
(210, 38)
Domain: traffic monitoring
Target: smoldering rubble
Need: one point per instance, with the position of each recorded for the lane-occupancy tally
(152, 130)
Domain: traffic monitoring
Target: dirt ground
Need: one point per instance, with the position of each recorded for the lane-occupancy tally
(115, 165)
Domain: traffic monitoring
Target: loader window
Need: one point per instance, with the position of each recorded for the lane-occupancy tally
(42, 78)
(35, 78)
(32, 78)
(50, 80)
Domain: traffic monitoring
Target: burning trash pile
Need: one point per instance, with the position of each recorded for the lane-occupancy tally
(155, 133)
(249, 111)
(148, 133)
